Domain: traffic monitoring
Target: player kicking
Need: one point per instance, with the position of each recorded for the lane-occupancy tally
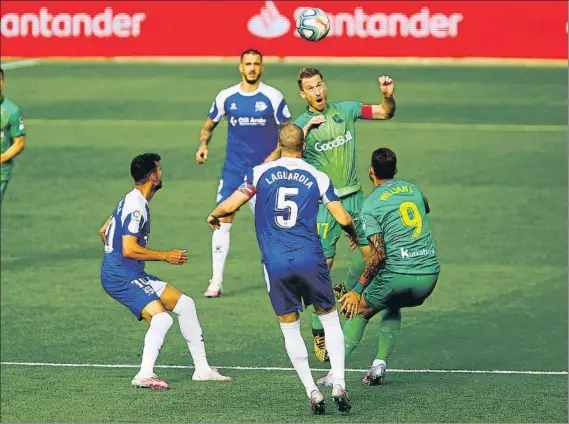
(253, 110)
(12, 137)
(331, 148)
(288, 192)
(402, 268)
(125, 235)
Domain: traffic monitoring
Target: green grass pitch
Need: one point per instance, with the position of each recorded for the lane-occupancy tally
(488, 147)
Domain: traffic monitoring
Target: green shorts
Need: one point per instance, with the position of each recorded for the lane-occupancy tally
(330, 231)
(389, 290)
(3, 187)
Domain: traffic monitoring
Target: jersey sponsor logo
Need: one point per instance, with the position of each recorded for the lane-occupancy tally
(337, 142)
(269, 23)
(65, 25)
(247, 121)
(260, 106)
(405, 254)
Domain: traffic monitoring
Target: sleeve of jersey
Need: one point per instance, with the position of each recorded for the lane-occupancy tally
(282, 113)
(353, 109)
(370, 224)
(132, 224)
(217, 110)
(17, 128)
(330, 195)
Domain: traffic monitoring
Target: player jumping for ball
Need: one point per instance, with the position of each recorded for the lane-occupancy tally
(331, 148)
(125, 235)
(288, 193)
(253, 110)
(12, 137)
(402, 268)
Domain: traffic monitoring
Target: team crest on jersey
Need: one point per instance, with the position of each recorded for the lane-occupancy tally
(21, 124)
(233, 106)
(134, 222)
(337, 119)
(260, 106)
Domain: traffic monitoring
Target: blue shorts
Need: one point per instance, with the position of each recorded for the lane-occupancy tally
(229, 182)
(296, 281)
(135, 294)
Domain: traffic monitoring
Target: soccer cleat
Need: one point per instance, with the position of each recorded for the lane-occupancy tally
(339, 290)
(326, 381)
(320, 350)
(213, 290)
(317, 403)
(341, 399)
(374, 376)
(150, 382)
(210, 375)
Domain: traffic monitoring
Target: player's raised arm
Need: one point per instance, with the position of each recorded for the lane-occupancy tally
(385, 110)
(230, 205)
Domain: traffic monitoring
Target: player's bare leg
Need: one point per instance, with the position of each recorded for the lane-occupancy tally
(318, 335)
(298, 355)
(185, 307)
(220, 242)
(160, 322)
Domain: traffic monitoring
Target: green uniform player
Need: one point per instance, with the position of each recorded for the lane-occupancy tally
(330, 136)
(12, 134)
(402, 269)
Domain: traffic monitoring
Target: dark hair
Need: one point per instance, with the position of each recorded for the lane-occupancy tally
(2, 72)
(307, 73)
(251, 51)
(142, 166)
(384, 163)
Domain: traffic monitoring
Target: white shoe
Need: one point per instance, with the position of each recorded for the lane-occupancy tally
(326, 381)
(375, 375)
(341, 399)
(213, 290)
(317, 402)
(210, 375)
(150, 382)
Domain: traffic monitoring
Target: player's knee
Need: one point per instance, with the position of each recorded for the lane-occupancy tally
(184, 303)
(163, 319)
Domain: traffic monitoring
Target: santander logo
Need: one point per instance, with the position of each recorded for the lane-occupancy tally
(359, 24)
(269, 23)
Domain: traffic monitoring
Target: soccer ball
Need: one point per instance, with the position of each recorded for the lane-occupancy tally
(313, 24)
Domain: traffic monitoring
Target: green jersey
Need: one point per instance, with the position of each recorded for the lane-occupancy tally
(331, 147)
(11, 126)
(397, 209)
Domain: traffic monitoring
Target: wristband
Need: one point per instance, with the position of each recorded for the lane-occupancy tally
(359, 288)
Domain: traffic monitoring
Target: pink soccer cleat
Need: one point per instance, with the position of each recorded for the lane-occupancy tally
(213, 290)
(150, 382)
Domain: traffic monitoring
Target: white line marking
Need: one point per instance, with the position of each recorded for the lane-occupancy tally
(21, 64)
(411, 371)
(391, 125)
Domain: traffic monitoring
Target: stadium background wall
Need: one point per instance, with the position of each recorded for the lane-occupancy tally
(535, 30)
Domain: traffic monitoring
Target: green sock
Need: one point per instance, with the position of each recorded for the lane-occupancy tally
(355, 271)
(388, 332)
(353, 332)
(316, 324)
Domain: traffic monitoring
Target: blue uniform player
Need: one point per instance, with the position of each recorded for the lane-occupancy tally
(125, 235)
(288, 192)
(253, 111)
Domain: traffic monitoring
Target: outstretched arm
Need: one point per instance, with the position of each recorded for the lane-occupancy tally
(385, 110)
(230, 205)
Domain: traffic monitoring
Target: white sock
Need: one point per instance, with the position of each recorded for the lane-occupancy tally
(159, 326)
(298, 355)
(334, 337)
(378, 362)
(191, 331)
(220, 241)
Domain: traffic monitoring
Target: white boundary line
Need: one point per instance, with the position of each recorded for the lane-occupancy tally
(356, 60)
(24, 63)
(410, 371)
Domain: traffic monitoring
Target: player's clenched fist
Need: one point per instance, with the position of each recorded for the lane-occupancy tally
(177, 257)
(213, 222)
(201, 155)
(386, 85)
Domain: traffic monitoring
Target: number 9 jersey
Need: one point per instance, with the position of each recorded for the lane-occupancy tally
(398, 210)
(288, 192)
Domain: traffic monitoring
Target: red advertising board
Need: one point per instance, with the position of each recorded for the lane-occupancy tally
(493, 29)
